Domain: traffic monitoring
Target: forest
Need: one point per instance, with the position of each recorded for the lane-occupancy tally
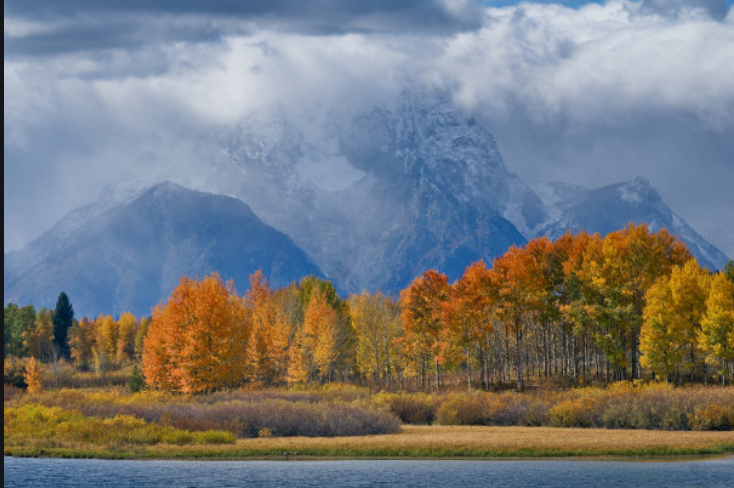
(580, 310)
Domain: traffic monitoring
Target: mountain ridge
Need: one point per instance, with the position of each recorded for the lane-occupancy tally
(373, 196)
(131, 256)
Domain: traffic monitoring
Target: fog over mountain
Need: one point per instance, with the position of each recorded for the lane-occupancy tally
(371, 196)
(339, 123)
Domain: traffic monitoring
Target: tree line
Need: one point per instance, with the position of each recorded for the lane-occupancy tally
(581, 309)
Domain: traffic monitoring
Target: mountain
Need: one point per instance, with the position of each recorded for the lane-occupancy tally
(371, 195)
(130, 256)
(612, 207)
(376, 195)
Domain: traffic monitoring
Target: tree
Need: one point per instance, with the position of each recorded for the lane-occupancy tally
(82, 339)
(125, 347)
(376, 324)
(9, 313)
(107, 336)
(17, 320)
(344, 336)
(518, 281)
(38, 339)
(729, 270)
(630, 262)
(140, 337)
(421, 305)
(716, 337)
(63, 317)
(320, 335)
(137, 381)
(32, 376)
(262, 319)
(661, 349)
(197, 340)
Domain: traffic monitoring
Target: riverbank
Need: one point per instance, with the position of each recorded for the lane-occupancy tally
(419, 442)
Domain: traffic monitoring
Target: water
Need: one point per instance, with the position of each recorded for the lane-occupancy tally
(38, 473)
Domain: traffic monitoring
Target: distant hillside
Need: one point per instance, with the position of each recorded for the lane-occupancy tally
(611, 207)
(131, 256)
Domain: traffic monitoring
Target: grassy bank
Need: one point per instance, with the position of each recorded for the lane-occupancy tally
(417, 442)
(337, 421)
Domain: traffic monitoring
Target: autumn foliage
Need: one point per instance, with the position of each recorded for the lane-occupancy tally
(582, 309)
(197, 340)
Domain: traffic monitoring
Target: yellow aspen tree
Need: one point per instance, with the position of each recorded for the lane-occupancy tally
(661, 349)
(631, 260)
(32, 376)
(716, 337)
(126, 328)
(689, 286)
(320, 333)
(140, 334)
(280, 343)
(82, 338)
(38, 339)
(107, 335)
(376, 321)
(300, 361)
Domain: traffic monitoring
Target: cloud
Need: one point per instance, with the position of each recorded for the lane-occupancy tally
(716, 9)
(91, 25)
(590, 94)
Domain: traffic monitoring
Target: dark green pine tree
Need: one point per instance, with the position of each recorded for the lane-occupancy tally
(63, 317)
(729, 270)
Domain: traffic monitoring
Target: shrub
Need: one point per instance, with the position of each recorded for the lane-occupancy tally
(14, 371)
(10, 392)
(55, 424)
(573, 413)
(713, 417)
(415, 408)
(476, 409)
(137, 382)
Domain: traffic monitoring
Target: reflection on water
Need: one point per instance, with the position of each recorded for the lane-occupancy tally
(38, 473)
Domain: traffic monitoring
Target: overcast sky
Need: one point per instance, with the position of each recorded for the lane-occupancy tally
(586, 92)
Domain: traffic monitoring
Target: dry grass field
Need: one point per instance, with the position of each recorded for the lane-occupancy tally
(427, 442)
(468, 438)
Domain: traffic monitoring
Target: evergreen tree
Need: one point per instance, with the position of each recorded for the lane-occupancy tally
(63, 319)
(729, 270)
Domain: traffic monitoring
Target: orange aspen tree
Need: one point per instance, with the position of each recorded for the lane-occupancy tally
(261, 318)
(196, 341)
(480, 293)
(422, 306)
(516, 284)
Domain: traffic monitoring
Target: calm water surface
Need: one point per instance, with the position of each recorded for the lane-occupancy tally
(38, 473)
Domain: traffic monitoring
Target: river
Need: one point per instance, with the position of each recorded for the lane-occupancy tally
(38, 473)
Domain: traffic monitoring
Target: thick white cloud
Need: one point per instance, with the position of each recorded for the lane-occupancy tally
(592, 94)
